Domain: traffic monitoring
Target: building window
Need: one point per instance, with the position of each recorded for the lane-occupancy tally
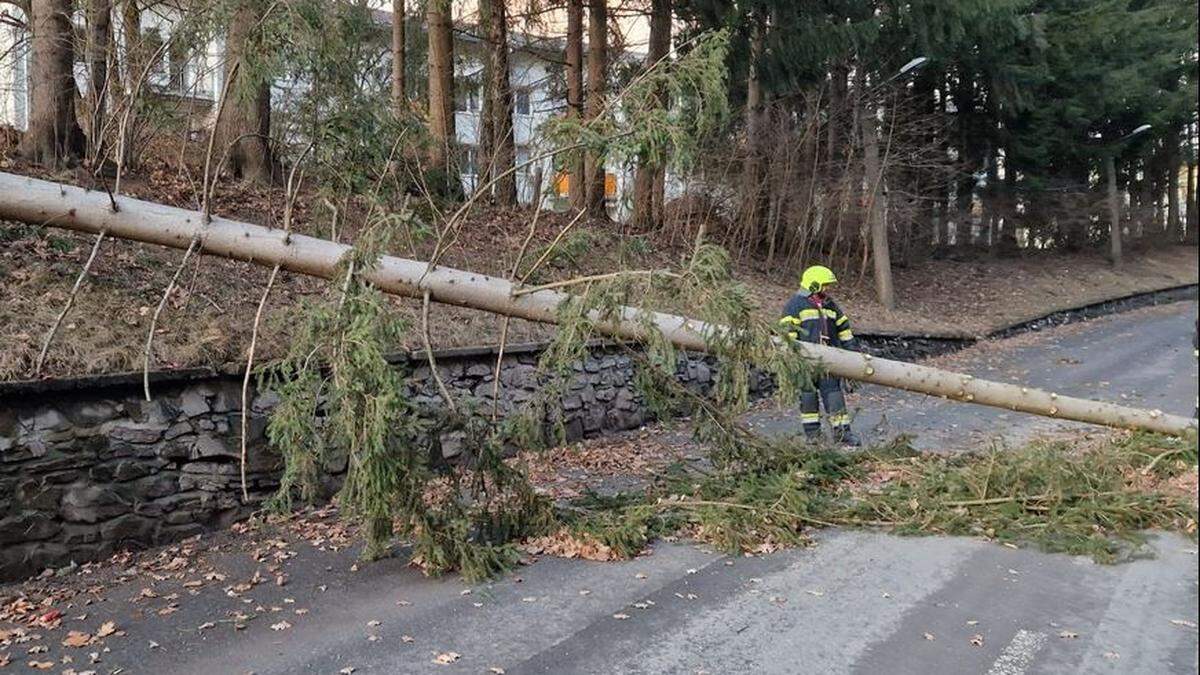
(466, 97)
(522, 101)
(522, 159)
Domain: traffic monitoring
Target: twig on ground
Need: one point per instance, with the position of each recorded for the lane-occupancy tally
(154, 319)
(433, 371)
(262, 302)
(41, 359)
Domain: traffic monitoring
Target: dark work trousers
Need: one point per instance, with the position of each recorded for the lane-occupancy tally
(829, 392)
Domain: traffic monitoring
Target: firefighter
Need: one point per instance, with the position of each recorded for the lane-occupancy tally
(813, 316)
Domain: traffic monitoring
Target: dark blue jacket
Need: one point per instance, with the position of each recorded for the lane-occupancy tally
(822, 322)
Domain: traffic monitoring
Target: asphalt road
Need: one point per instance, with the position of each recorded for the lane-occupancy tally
(855, 601)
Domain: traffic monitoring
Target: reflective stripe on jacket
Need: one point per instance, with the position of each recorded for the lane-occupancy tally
(809, 321)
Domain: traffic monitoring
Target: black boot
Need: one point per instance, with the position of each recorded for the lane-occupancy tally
(846, 437)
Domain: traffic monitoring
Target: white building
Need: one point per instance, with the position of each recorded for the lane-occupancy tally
(194, 79)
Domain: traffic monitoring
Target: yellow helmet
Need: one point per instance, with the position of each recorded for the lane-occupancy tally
(816, 278)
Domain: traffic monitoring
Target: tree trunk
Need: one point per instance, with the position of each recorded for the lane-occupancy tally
(597, 87)
(1174, 224)
(1190, 205)
(494, 16)
(399, 88)
(99, 47)
(574, 76)
(648, 184)
(244, 130)
(42, 202)
(753, 192)
(53, 138)
(877, 210)
(1114, 211)
(441, 82)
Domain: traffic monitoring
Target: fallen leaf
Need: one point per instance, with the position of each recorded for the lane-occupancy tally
(282, 625)
(1183, 622)
(41, 665)
(620, 616)
(816, 593)
(496, 670)
(446, 658)
(977, 640)
(3, 659)
(346, 671)
(640, 575)
(107, 628)
(206, 625)
(76, 639)
(1112, 655)
(585, 592)
(1068, 635)
(374, 622)
(972, 622)
(153, 644)
(529, 599)
(930, 637)
(406, 638)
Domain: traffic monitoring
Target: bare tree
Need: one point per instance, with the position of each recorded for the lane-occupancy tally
(99, 49)
(441, 81)
(53, 138)
(502, 152)
(597, 87)
(877, 208)
(399, 99)
(574, 68)
(245, 127)
(648, 184)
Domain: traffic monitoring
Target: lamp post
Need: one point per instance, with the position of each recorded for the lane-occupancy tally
(1114, 205)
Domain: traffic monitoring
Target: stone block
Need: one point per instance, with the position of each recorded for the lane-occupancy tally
(478, 370)
(207, 446)
(92, 504)
(50, 419)
(34, 493)
(27, 526)
(138, 432)
(91, 413)
(155, 486)
(128, 528)
(193, 403)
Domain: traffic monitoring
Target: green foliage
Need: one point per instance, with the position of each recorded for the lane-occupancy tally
(634, 126)
(1095, 502)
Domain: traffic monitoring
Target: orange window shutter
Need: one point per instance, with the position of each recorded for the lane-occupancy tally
(610, 185)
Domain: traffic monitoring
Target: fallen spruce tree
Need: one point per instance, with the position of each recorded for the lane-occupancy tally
(40, 202)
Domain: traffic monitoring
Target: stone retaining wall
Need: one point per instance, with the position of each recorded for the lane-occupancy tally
(86, 472)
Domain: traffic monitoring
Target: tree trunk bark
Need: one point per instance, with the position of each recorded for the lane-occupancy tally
(53, 138)
(244, 130)
(597, 87)
(648, 183)
(99, 47)
(42, 202)
(1174, 225)
(877, 210)
(1114, 211)
(753, 192)
(441, 82)
(1190, 206)
(574, 75)
(494, 16)
(399, 86)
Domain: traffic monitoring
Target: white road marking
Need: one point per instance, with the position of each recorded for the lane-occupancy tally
(1019, 653)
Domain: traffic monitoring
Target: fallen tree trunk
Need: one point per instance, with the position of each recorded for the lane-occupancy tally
(44, 203)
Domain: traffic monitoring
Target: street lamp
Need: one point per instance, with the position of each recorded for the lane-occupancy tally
(1114, 205)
